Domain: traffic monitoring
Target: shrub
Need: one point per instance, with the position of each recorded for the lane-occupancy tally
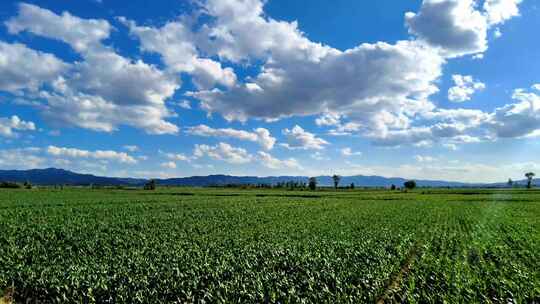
(410, 185)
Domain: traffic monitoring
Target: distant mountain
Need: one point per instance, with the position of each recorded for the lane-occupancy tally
(52, 176)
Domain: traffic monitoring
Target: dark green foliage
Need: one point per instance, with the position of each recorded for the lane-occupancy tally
(336, 178)
(151, 185)
(410, 185)
(27, 185)
(9, 185)
(312, 183)
(529, 176)
(232, 246)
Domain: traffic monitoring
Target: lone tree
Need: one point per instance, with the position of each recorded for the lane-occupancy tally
(312, 183)
(510, 183)
(410, 184)
(393, 187)
(336, 179)
(529, 177)
(151, 185)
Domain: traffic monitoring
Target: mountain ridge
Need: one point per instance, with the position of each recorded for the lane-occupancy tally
(52, 176)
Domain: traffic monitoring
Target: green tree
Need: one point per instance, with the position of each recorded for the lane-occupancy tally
(312, 183)
(410, 185)
(151, 185)
(336, 179)
(529, 176)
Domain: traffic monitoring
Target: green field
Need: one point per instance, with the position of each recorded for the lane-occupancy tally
(251, 246)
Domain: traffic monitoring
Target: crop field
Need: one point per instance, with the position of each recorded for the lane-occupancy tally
(183, 245)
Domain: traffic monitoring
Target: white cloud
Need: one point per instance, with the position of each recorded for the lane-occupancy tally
(104, 89)
(518, 119)
(459, 27)
(131, 148)
(176, 156)
(443, 124)
(498, 11)
(81, 34)
(465, 87)
(175, 43)
(345, 129)
(23, 68)
(9, 126)
(260, 135)
(184, 104)
(271, 162)
(241, 32)
(298, 138)
(98, 154)
(169, 165)
(425, 159)
(536, 87)
(497, 33)
(317, 155)
(349, 152)
(455, 26)
(21, 158)
(328, 119)
(450, 146)
(224, 152)
(364, 83)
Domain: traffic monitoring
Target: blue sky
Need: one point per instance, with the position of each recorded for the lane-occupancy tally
(433, 89)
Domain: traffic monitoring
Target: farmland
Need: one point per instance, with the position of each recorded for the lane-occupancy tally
(254, 246)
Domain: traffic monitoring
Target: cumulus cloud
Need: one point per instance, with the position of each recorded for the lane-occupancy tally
(298, 138)
(349, 152)
(81, 34)
(184, 104)
(458, 27)
(365, 83)
(498, 11)
(455, 26)
(438, 125)
(98, 154)
(103, 90)
(328, 119)
(517, 119)
(23, 68)
(175, 42)
(465, 87)
(224, 152)
(21, 158)
(271, 162)
(9, 126)
(169, 165)
(260, 135)
(131, 148)
(335, 120)
(176, 156)
(497, 33)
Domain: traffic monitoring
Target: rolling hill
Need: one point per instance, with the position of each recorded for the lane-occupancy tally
(53, 176)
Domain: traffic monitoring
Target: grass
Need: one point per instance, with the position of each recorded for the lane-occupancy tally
(254, 246)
